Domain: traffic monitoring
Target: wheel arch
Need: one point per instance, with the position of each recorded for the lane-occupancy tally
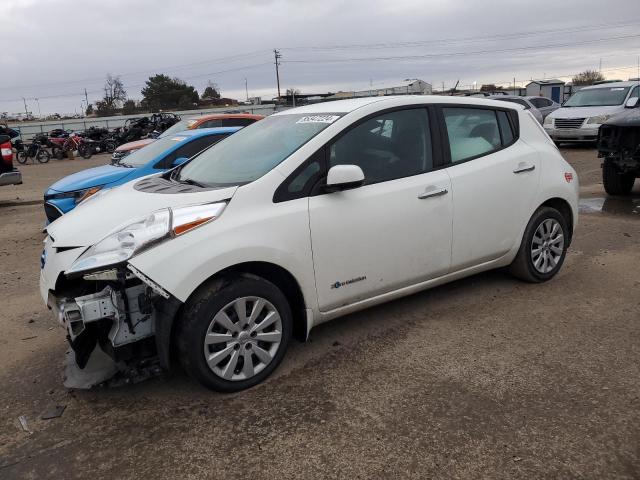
(565, 210)
(271, 272)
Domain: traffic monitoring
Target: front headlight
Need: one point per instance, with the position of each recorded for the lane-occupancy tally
(77, 195)
(599, 119)
(548, 121)
(133, 238)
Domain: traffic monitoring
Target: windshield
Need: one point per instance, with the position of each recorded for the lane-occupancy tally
(149, 152)
(255, 150)
(181, 126)
(598, 97)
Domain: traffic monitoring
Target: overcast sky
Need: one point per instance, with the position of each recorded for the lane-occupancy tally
(54, 49)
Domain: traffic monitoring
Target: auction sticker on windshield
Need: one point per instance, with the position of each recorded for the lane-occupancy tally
(318, 119)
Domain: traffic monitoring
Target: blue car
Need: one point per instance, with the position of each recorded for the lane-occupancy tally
(161, 155)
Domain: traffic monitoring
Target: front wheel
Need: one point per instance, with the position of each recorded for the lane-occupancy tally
(234, 332)
(21, 157)
(615, 182)
(543, 248)
(43, 156)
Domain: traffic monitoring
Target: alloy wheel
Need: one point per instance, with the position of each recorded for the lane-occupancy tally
(547, 245)
(243, 338)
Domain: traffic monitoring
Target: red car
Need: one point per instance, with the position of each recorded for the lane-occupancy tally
(8, 174)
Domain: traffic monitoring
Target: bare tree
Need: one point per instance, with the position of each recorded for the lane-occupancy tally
(114, 92)
(588, 77)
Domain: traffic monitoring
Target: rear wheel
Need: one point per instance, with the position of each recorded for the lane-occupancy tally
(110, 146)
(57, 153)
(234, 333)
(543, 248)
(85, 151)
(21, 157)
(43, 156)
(616, 182)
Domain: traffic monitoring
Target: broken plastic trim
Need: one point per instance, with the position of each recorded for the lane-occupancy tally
(153, 285)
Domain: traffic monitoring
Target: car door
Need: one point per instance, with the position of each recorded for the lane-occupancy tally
(393, 231)
(494, 179)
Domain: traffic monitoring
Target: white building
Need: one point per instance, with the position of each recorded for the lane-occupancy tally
(410, 86)
(553, 89)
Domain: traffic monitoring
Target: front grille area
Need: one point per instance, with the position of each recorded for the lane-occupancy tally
(51, 212)
(568, 122)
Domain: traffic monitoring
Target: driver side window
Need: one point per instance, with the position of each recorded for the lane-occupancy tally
(392, 145)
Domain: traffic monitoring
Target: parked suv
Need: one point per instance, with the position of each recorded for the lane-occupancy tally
(305, 216)
(9, 175)
(580, 117)
(619, 146)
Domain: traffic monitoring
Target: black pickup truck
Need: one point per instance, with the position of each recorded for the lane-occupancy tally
(619, 146)
(9, 175)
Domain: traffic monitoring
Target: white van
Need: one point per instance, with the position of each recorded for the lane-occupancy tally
(580, 117)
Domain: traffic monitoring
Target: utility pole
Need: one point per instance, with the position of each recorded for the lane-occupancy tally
(246, 88)
(277, 56)
(442, 87)
(39, 113)
(86, 98)
(25, 107)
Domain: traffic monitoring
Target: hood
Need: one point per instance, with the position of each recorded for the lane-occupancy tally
(91, 178)
(91, 221)
(584, 112)
(138, 144)
(629, 118)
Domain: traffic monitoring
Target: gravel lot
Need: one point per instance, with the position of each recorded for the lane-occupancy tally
(483, 378)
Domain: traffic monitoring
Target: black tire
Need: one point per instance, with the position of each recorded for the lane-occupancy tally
(616, 182)
(57, 153)
(43, 156)
(85, 151)
(523, 266)
(110, 146)
(21, 157)
(198, 313)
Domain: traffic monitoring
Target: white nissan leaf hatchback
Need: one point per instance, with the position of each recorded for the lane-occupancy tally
(305, 216)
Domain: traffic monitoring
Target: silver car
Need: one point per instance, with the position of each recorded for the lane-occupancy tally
(543, 104)
(521, 101)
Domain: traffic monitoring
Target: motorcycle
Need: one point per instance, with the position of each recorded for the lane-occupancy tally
(35, 150)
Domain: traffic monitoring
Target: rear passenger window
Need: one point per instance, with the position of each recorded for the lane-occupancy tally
(237, 122)
(472, 132)
(505, 128)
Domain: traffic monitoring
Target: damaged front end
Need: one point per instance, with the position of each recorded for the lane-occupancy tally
(103, 301)
(619, 142)
(119, 310)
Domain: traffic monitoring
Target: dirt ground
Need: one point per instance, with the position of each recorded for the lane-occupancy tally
(487, 377)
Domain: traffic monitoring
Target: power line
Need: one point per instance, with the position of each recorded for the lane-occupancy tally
(139, 85)
(466, 39)
(466, 53)
(152, 70)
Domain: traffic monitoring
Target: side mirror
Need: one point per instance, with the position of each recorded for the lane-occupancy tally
(180, 161)
(632, 102)
(344, 177)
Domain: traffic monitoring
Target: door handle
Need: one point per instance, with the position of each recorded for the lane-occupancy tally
(523, 167)
(433, 193)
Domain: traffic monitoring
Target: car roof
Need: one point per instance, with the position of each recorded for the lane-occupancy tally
(222, 116)
(352, 104)
(201, 132)
(611, 85)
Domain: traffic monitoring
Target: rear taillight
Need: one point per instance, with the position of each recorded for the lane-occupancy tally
(6, 153)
